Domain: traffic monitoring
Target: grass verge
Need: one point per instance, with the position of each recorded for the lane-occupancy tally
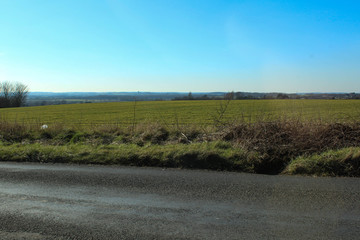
(282, 146)
(215, 155)
(342, 162)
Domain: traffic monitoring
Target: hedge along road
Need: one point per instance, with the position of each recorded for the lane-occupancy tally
(58, 201)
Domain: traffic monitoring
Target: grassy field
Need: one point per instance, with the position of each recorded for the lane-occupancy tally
(183, 112)
(313, 137)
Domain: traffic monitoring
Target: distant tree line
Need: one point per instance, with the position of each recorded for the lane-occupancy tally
(13, 94)
(274, 95)
(191, 96)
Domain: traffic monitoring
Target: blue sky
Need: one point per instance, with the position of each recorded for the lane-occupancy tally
(183, 45)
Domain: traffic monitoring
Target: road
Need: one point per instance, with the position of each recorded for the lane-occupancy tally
(59, 201)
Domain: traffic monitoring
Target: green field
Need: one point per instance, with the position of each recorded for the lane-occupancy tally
(191, 134)
(183, 112)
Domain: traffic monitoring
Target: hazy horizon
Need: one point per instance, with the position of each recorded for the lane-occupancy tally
(183, 92)
(181, 46)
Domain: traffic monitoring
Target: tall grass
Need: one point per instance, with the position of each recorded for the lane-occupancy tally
(269, 147)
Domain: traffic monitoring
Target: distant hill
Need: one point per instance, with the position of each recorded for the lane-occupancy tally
(52, 98)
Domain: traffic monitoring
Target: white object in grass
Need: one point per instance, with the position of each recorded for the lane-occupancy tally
(44, 126)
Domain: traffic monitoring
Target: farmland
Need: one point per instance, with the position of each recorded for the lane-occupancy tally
(314, 137)
(183, 112)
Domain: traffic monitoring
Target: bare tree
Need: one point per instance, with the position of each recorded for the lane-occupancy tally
(218, 118)
(5, 91)
(12, 94)
(19, 94)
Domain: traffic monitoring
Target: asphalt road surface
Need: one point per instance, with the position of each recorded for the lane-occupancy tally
(56, 201)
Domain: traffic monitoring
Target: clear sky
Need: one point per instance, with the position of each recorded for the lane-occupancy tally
(181, 45)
